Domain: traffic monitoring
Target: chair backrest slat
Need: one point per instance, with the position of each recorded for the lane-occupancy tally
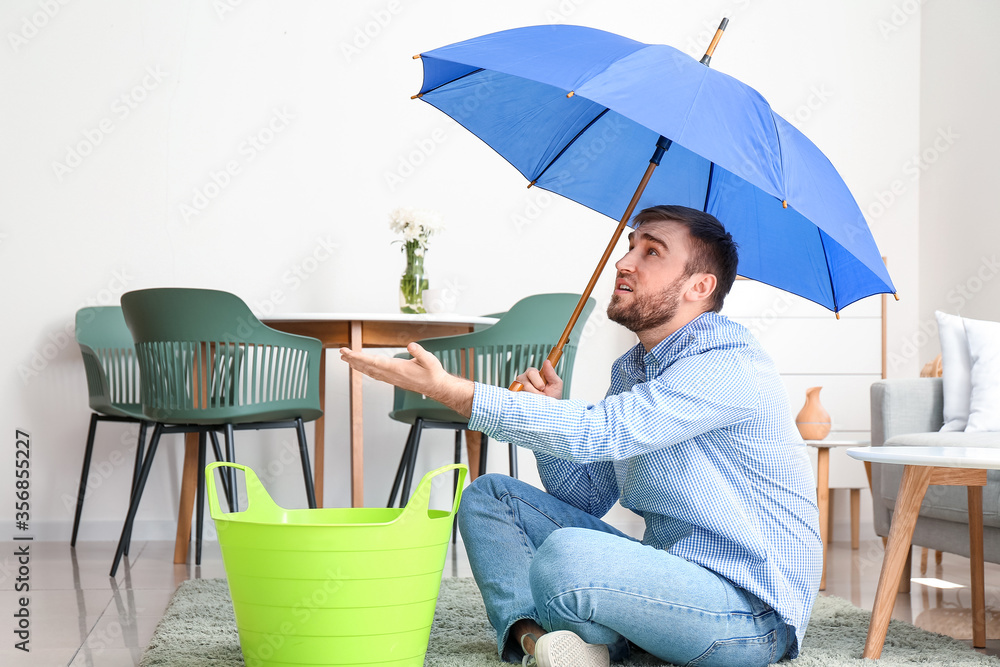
(210, 359)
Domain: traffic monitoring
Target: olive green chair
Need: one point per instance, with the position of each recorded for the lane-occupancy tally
(522, 338)
(207, 363)
(112, 372)
(112, 384)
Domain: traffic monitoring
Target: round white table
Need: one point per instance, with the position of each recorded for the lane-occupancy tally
(923, 466)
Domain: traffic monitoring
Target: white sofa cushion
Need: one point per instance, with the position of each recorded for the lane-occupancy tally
(956, 371)
(984, 350)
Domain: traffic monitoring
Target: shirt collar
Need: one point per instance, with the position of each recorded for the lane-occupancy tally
(639, 365)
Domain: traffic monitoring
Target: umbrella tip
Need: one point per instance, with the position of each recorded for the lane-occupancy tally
(895, 296)
(532, 183)
(417, 96)
(837, 313)
(570, 94)
(784, 203)
(416, 57)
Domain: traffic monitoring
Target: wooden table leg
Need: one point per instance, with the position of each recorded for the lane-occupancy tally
(473, 446)
(357, 429)
(976, 564)
(319, 431)
(855, 519)
(823, 501)
(911, 493)
(189, 482)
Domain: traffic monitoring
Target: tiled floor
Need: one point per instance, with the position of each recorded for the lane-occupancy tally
(81, 617)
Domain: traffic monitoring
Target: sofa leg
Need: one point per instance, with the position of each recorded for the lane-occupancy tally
(937, 557)
(923, 560)
(904, 578)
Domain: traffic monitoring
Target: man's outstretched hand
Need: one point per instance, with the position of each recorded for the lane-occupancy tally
(422, 374)
(544, 382)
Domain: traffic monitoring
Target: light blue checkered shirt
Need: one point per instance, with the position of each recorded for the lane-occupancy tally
(695, 437)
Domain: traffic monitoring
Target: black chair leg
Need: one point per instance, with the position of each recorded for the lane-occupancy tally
(411, 463)
(133, 505)
(227, 486)
(230, 437)
(139, 446)
(401, 470)
(513, 460)
(454, 484)
(200, 510)
(300, 431)
(483, 449)
(82, 492)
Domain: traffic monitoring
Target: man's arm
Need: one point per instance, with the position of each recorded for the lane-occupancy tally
(422, 374)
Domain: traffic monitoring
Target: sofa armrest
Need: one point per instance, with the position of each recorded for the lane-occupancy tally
(906, 406)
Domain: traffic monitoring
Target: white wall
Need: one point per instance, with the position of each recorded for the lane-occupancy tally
(959, 141)
(199, 81)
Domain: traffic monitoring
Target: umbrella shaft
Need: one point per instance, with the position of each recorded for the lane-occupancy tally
(662, 145)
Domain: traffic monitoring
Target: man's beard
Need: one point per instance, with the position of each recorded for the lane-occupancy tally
(642, 313)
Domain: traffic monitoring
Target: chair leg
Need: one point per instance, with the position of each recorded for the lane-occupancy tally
(139, 446)
(231, 472)
(228, 487)
(300, 431)
(82, 492)
(513, 459)
(411, 464)
(133, 505)
(483, 450)
(401, 469)
(200, 509)
(454, 484)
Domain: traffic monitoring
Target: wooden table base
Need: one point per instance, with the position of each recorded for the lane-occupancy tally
(912, 488)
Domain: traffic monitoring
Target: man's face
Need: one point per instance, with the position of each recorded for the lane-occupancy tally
(651, 276)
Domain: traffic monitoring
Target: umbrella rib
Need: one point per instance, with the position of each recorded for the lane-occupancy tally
(829, 274)
(566, 147)
(459, 78)
(708, 188)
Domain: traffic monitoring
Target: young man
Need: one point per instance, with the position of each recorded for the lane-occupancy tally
(694, 435)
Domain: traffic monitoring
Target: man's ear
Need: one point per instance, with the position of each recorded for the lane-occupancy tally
(702, 287)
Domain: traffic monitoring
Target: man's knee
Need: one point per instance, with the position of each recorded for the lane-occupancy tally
(553, 564)
(483, 492)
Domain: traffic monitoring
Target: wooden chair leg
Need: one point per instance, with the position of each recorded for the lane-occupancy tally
(937, 557)
(904, 577)
(976, 563)
(855, 519)
(923, 560)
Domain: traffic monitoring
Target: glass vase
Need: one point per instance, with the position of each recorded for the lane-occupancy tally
(412, 284)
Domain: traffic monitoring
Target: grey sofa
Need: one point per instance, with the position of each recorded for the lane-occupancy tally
(910, 412)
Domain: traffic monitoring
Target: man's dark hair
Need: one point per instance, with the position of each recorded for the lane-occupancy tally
(712, 247)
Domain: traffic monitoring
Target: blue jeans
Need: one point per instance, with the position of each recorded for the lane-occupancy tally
(536, 557)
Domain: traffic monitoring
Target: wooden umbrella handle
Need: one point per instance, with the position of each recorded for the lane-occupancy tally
(661, 147)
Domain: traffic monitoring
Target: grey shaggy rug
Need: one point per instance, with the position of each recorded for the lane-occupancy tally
(198, 629)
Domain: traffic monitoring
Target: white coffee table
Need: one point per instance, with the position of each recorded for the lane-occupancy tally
(923, 466)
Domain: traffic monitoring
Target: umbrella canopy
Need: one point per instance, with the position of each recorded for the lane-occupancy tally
(579, 111)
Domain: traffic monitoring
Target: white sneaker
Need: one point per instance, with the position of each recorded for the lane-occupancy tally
(565, 649)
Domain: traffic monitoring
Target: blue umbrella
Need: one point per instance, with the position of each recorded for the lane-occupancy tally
(579, 111)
